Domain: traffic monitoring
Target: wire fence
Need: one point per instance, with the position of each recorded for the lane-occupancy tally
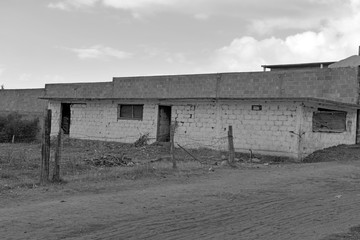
(201, 148)
(139, 148)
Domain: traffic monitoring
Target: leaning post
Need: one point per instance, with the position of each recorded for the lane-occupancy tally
(56, 173)
(231, 145)
(172, 144)
(45, 148)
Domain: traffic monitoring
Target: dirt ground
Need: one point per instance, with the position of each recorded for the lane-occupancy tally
(254, 201)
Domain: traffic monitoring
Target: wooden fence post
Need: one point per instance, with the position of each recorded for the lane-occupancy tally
(56, 173)
(231, 146)
(172, 144)
(45, 149)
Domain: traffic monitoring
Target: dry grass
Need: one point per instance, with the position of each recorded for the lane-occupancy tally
(20, 165)
(149, 170)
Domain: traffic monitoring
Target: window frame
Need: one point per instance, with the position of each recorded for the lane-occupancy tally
(341, 115)
(119, 117)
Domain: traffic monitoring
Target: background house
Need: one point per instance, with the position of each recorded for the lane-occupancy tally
(290, 111)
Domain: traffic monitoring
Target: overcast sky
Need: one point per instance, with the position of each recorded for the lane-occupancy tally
(50, 41)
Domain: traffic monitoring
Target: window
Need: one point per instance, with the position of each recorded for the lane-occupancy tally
(127, 111)
(325, 120)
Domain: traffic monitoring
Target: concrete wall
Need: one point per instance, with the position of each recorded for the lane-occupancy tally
(79, 90)
(336, 84)
(271, 130)
(312, 141)
(97, 120)
(177, 86)
(265, 131)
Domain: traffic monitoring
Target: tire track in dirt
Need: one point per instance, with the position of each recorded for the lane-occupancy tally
(228, 220)
(280, 205)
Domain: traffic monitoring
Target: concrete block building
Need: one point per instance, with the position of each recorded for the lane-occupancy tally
(291, 110)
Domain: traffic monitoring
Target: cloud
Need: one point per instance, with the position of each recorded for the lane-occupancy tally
(100, 52)
(337, 39)
(70, 4)
(162, 54)
(120, 4)
(138, 4)
(256, 11)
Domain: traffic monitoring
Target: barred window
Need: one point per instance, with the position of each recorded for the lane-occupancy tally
(130, 111)
(325, 120)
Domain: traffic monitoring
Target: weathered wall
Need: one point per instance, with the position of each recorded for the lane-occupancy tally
(79, 90)
(312, 141)
(272, 130)
(265, 131)
(199, 125)
(337, 84)
(97, 120)
(177, 86)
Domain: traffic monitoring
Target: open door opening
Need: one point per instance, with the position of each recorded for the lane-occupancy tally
(164, 121)
(65, 117)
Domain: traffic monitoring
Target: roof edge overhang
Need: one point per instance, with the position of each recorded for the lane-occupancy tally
(298, 65)
(319, 101)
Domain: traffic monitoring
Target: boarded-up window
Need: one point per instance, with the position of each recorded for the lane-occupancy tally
(325, 120)
(127, 111)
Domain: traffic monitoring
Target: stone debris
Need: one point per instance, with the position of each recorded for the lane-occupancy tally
(109, 160)
(255, 160)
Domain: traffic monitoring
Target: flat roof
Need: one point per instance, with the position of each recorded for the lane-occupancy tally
(299, 65)
(266, 99)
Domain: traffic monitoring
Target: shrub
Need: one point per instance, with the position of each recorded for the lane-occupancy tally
(14, 125)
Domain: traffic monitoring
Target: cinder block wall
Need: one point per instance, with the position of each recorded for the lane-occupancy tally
(312, 141)
(266, 131)
(97, 120)
(272, 130)
(336, 84)
(79, 90)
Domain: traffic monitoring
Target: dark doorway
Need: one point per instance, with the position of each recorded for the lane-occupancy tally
(65, 117)
(164, 121)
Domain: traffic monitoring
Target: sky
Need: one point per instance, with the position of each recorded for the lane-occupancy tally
(67, 41)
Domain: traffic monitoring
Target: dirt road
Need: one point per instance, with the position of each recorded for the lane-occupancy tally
(294, 201)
